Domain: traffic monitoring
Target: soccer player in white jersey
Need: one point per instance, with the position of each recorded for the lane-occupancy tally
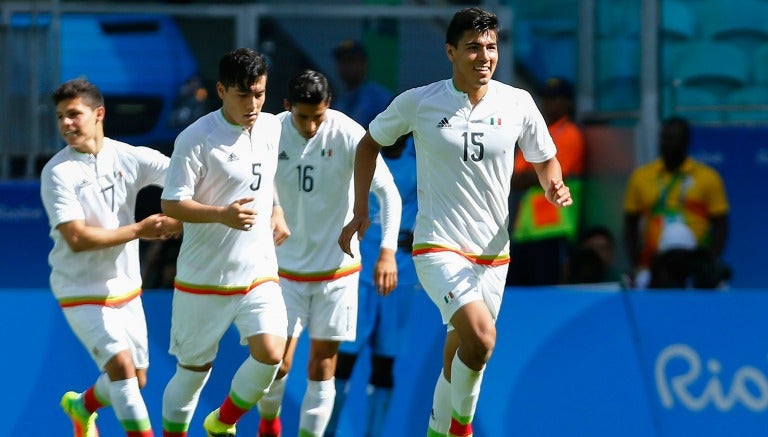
(319, 281)
(465, 130)
(221, 185)
(89, 193)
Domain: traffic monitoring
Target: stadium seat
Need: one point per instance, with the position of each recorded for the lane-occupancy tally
(741, 23)
(617, 18)
(677, 22)
(617, 74)
(696, 104)
(760, 65)
(715, 66)
(547, 48)
(753, 99)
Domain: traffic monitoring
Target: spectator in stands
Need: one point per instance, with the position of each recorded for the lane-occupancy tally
(594, 257)
(673, 198)
(89, 192)
(541, 232)
(361, 99)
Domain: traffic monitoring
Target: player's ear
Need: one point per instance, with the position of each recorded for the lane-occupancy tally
(100, 111)
(286, 104)
(450, 51)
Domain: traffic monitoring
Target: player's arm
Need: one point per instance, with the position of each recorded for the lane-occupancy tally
(280, 230)
(551, 179)
(236, 215)
(385, 190)
(81, 237)
(365, 165)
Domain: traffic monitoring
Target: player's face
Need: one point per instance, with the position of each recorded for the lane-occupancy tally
(79, 124)
(474, 59)
(242, 106)
(307, 117)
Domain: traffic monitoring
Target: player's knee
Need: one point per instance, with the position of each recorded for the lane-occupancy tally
(141, 377)
(480, 346)
(284, 368)
(345, 365)
(381, 372)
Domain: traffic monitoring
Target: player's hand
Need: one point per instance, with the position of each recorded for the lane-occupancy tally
(558, 193)
(153, 227)
(171, 228)
(359, 224)
(385, 272)
(280, 230)
(239, 216)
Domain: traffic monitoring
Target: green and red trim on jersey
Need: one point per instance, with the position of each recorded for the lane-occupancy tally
(107, 301)
(327, 275)
(221, 290)
(486, 260)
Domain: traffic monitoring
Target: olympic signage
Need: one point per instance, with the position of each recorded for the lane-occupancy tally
(748, 387)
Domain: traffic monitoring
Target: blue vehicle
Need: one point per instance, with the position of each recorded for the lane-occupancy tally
(143, 66)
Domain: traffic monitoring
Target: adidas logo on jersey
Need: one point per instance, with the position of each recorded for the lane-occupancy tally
(232, 158)
(282, 155)
(443, 123)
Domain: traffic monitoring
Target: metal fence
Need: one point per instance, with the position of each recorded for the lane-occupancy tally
(28, 71)
(29, 57)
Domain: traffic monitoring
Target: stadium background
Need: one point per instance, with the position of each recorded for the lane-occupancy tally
(587, 362)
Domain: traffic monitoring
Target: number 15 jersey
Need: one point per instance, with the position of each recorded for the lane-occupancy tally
(465, 157)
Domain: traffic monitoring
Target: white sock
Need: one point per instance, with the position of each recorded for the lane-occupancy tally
(270, 404)
(129, 405)
(440, 419)
(341, 386)
(101, 390)
(181, 396)
(316, 407)
(252, 380)
(465, 389)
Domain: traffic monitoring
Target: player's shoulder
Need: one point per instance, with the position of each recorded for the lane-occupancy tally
(56, 162)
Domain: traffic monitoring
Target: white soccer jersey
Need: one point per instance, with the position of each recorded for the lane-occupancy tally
(217, 163)
(101, 191)
(314, 181)
(464, 162)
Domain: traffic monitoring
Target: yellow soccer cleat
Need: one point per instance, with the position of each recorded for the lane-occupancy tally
(83, 422)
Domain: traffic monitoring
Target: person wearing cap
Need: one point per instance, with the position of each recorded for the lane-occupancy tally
(362, 99)
(669, 195)
(541, 232)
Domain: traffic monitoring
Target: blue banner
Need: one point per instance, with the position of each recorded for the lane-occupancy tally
(568, 362)
(25, 244)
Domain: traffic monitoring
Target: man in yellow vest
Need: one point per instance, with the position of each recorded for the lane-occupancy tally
(540, 232)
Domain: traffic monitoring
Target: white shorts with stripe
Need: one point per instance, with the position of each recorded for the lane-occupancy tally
(105, 331)
(452, 281)
(327, 308)
(199, 321)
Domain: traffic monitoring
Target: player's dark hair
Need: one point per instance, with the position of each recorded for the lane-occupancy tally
(79, 87)
(474, 19)
(241, 68)
(308, 86)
